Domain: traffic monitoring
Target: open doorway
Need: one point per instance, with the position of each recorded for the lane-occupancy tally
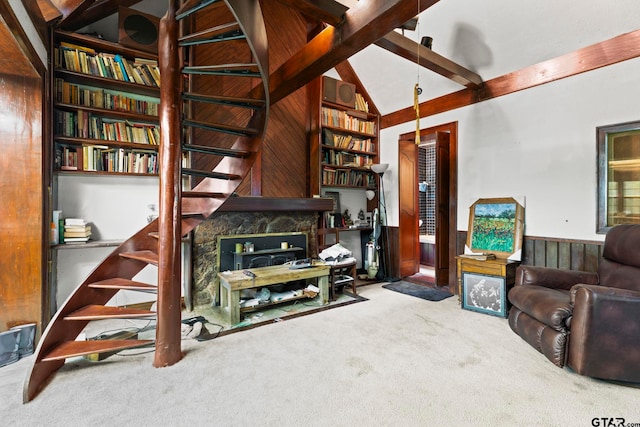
(431, 186)
(427, 204)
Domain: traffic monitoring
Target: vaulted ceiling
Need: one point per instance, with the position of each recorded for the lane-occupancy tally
(347, 27)
(355, 29)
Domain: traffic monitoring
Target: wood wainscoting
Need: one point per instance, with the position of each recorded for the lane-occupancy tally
(583, 255)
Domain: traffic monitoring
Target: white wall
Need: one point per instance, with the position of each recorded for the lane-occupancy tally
(117, 207)
(540, 143)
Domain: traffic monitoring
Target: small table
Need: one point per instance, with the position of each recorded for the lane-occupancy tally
(231, 283)
(493, 276)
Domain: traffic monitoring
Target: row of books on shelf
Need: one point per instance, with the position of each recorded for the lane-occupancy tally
(69, 230)
(81, 124)
(338, 140)
(70, 93)
(354, 178)
(97, 158)
(361, 104)
(86, 60)
(341, 119)
(342, 158)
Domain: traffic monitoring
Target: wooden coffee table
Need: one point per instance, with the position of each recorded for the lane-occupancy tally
(232, 282)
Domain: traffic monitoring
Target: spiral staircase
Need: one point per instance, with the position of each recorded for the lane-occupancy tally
(204, 98)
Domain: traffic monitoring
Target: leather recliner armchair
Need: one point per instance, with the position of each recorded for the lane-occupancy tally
(589, 322)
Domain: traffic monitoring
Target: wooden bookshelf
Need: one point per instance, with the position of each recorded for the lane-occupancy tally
(344, 143)
(105, 107)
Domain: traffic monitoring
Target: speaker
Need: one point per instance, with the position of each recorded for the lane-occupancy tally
(339, 92)
(138, 30)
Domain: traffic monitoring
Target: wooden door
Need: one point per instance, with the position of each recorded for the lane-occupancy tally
(442, 209)
(409, 244)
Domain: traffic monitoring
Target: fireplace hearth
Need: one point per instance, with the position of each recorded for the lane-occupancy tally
(254, 216)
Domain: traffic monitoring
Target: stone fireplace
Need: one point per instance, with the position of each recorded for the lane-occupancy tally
(248, 215)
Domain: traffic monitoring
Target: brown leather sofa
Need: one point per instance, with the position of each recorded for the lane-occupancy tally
(587, 321)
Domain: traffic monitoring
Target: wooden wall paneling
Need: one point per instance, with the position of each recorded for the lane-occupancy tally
(390, 238)
(577, 256)
(551, 254)
(564, 255)
(591, 257)
(21, 265)
(285, 151)
(539, 252)
(218, 53)
(527, 252)
(556, 253)
(283, 165)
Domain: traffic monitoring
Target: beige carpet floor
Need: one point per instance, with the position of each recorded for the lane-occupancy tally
(393, 360)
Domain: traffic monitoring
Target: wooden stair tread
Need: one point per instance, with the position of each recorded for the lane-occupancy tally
(156, 235)
(147, 256)
(220, 127)
(101, 312)
(214, 38)
(217, 151)
(202, 195)
(248, 70)
(213, 30)
(82, 348)
(124, 284)
(193, 6)
(226, 100)
(210, 174)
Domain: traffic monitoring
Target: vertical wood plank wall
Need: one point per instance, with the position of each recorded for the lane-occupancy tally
(21, 178)
(567, 254)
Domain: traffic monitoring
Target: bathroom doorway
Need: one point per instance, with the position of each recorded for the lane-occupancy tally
(430, 219)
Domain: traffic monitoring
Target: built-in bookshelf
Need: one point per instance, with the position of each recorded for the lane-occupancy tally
(105, 130)
(105, 107)
(345, 145)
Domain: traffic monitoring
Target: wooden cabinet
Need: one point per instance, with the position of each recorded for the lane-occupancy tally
(105, 107)
(483, 284)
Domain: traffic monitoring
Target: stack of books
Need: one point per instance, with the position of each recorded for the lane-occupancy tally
(76, 230)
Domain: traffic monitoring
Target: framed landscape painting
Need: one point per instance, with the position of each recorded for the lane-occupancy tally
(496, 226)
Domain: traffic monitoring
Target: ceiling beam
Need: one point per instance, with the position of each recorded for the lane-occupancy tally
(608, 52)
(94, 12)
(18, 55)
(41, 12)
(70, 7)
(329, 11)
(408, 49)
(364, 23)
(415, 52)
(46, 9)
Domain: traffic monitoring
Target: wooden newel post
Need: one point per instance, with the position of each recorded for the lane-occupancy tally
(168, 333)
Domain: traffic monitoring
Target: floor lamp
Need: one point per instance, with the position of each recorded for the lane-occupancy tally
(380, 169)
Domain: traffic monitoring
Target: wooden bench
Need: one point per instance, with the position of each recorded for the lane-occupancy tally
(232, 282)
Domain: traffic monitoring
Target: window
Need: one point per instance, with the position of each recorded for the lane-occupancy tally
(618, 175)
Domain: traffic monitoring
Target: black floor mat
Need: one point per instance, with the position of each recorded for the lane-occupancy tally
(419, 291)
